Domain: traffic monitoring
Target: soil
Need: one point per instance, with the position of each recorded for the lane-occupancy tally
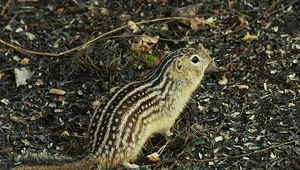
(245, 116)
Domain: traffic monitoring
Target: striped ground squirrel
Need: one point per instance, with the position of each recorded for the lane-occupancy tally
(120, 126)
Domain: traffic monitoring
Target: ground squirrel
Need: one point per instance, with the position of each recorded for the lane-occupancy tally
(120, 126)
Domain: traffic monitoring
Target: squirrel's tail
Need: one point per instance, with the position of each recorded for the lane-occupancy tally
(85, 164)
(53, 162)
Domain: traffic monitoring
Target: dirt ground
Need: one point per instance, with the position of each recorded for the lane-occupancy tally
(246, 116)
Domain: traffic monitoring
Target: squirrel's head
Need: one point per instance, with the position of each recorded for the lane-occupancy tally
(193, 62)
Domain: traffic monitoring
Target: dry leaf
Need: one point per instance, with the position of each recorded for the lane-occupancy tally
(249, 37)
(131, 25)
(57, 91)
(210, 20)
(195, 23)
(39, 83)
(148, 39)
(8, 27)
(26, 142)
(16, 58)
(104, 11)
(30, 36)
(232, 3)
(293, 77)
(37, 116)
(95, 103)
(24, 61)
(19, 30)
(191, 11)
(61, 98)
(113, 89)
(188, 11)
(153, 157)
(65, 133)
(4, 101)
(140, 47)
(224, 80)
(60, 10)
(291, 105)
(243, 20)
(219, 138)
(164, 27)
(200, 155)
(21, 75)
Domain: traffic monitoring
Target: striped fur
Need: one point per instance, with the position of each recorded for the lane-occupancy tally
(120, 126)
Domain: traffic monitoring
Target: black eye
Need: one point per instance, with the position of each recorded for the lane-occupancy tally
(195, 59)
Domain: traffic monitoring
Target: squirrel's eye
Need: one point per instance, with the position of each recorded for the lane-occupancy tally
(195, 59)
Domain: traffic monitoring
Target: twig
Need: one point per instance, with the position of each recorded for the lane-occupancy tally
(240, 156)
(264, 14)
(280, 81)
(6, 5)
(14, 18)
(241, 28)
(83, 46)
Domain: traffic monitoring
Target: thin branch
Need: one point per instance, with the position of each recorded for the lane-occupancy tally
(6, 5)
(241, 155)
(83, 46)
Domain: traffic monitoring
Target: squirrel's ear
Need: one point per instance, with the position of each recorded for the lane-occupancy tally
(178, 65)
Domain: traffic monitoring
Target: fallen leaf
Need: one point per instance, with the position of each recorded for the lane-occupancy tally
(60, 10)
(148, 39)
(232, 3)
(188, 11)
(95, 103)
(113, 89)
(26, 142)
(65, 133)
(153, 157)
(37, 116)
(4, 101)
(24, 61)
(104, 11)
(39, 83)
(211, 20)
(291, 105)
(293, 77)
(140, 47)
(61, 98)
(21, 75)
(19, 30)
(131, 25)
(194, 23)
(8, 27)
(30, 36)
(243, 19)
(219, 138)
(200, 155)
(224, 80)
(249, 37)
(16, 58)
